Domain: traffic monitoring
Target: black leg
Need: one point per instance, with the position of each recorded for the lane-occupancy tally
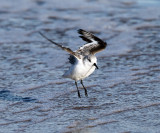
(77, 90)
(84, 89)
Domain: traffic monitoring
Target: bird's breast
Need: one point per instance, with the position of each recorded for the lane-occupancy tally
(79, 71)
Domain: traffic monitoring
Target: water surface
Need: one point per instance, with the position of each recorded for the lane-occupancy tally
(124, 95)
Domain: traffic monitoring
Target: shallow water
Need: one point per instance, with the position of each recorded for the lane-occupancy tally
(124, 95)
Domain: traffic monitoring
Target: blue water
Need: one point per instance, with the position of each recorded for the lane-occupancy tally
(123, 93)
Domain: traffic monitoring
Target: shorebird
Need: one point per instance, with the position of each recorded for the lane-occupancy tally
(83, 61)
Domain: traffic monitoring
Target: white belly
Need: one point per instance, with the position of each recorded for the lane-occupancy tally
(79, 72)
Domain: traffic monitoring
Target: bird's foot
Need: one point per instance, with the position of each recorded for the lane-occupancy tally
(79, 94)
(86, 93)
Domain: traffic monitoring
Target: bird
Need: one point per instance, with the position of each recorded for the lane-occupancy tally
(83, 61)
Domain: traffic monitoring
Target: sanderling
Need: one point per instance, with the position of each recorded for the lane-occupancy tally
(83, 61)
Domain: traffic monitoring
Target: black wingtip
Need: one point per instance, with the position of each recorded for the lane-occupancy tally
(40, 33)
(85, 39)
(80, 31)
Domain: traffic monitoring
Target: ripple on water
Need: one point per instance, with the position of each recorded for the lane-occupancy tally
(123, 93)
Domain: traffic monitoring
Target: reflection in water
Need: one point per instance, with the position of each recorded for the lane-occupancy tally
(7, 95)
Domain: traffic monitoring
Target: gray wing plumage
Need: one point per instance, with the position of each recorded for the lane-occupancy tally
(62, 47)
(94, 44)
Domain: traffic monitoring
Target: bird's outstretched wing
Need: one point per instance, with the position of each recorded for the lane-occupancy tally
(62, 47)
(94, 44)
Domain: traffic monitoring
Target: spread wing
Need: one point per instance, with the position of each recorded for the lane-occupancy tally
(62, 47)
(72, 59)
(94, 44)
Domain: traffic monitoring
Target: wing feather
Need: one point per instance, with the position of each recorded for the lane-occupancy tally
(72, 59)
(94, 44)
(62, 47)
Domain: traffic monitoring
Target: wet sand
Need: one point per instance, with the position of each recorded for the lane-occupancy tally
(124, 93)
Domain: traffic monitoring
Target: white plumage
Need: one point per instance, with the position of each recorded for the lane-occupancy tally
(83, 60)
(81, 69)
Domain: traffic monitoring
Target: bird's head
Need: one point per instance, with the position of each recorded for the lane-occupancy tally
(90, 60)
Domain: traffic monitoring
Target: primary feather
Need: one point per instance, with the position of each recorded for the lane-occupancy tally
(94, 44)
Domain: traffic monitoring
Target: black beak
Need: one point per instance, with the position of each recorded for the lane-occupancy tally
(95, 65)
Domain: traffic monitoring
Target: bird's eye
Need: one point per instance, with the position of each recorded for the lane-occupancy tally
(89, 60)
